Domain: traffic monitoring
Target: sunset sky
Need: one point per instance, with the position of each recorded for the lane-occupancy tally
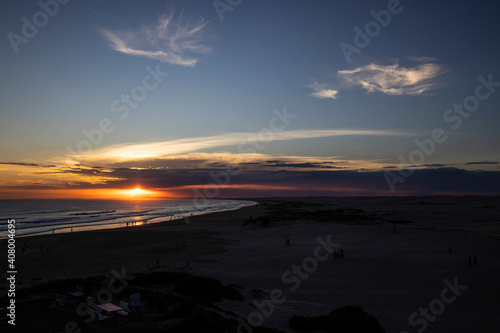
(265, 98)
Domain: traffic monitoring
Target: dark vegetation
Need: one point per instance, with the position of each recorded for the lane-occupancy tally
(189, 307)
(346, 319)
(292, 211)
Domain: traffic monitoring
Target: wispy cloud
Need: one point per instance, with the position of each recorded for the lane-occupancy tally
(321, 91)
(205, 162)
(393, 79)
(172, 40)
(137, 151)
(27, 164)
(482, 163)
(423, 59)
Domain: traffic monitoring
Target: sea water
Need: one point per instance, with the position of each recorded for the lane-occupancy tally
(57, 216)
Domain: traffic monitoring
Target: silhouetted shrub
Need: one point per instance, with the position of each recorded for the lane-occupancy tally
(146, 280)
(346, 319)
(196, 318)
(206, 290)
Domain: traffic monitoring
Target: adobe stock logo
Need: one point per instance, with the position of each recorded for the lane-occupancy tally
(225, 6)
(29, 29)
(292, 277)
(437, 306)
(120, 106)
(372, 29)
(428, 146)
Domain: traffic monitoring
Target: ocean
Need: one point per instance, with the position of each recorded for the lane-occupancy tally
(34, 217)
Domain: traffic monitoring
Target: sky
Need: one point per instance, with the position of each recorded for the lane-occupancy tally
(236, 98)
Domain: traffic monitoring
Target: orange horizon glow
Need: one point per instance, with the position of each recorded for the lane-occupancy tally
(136, 193)
(201, 191)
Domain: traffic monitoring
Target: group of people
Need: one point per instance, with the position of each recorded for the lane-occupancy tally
(472, 260)
(338, 254)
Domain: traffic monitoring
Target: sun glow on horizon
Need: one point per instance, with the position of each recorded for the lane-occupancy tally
(136, 193)
(139, 193)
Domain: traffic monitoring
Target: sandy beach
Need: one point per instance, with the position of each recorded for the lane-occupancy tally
(400, 253)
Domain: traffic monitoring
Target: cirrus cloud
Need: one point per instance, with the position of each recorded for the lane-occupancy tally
(393, 79)
(159, 149)
(175, 41)
(321, 91)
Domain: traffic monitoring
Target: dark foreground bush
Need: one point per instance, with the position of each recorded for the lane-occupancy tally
(206, 290)
(346, 319)
(197, 318)
(161, 278)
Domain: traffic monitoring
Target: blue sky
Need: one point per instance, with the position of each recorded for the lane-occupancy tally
(225, 78)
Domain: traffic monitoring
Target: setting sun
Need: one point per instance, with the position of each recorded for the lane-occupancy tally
(137, 191)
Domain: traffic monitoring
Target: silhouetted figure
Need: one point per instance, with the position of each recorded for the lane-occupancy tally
(341, 253)
(475, 260)
(470, 260)
(394, 226)
(449, 249)
(135, 303)
(287, 242)
(41, 248)
(157, 262)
